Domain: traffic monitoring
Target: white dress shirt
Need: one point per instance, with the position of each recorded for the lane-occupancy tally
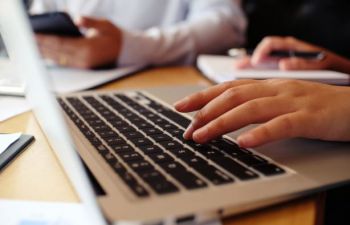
(157, 32)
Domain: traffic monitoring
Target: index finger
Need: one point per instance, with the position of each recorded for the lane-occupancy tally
(200, 99)
(269, 44)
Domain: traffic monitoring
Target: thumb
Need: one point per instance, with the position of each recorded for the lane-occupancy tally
(89, 22)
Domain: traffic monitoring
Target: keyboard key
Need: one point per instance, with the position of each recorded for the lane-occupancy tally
(144, 125)
(195, 162)
(107, 133)
(152, 130)
(163, 187)
(168, 126)
(235, 168)
(161, 137)
(142, 142)
(131, 156)
(252, 160)
(122, 148)
(150, 176)
(118, 168)
(214, 175)
(132, 183)
(269, 169)
(114, 140)
(133, 135)
(211, 153)
(141, 165)
(231, 148)
(126, 129)
(186, 178)
(171, 145)
(161, 157)
(151, 149)
(183, 153)
(102, 149)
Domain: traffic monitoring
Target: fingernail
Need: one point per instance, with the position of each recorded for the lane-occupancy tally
(188, 132)
(246, 140)
(179, 105)
(201, 135)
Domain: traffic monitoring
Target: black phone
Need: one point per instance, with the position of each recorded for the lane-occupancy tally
(54, 23)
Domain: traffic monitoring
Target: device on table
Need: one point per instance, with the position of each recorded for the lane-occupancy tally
(55, 23)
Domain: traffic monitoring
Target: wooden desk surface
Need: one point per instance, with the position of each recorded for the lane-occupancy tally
(37, 175)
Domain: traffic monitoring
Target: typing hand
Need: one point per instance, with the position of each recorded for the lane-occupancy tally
(99, 47)
(269, 44)
(285, 109)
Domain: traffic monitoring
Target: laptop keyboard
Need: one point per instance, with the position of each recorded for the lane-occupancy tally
(142, 141)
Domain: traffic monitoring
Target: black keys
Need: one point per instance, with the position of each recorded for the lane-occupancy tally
(101, 149)
(107, 133)
(163, 187)
(119, 148)
(157, 181)
(214, 175)
(150, 176)
(252, 160)
(168, 126)
(182, 153)
(161, 157)
(269, 169)
(186, 178)
(235, 168)
(133, 184)
(161, 137)
(129, 179)
(211, 153)
(195, 162)
(152, 131)
(131, 156)
(151, 149)
(230, 148)
(144, 125)
(133, 135)
(171, 145)
(142, 142)
(126, 128)
(141, 165)
(115, 140)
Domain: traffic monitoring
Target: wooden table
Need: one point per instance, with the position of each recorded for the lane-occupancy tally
(37, 175)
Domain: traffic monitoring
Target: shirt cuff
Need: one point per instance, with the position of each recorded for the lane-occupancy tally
(135, 49)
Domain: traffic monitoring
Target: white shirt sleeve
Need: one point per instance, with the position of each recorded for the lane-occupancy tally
(211, 26)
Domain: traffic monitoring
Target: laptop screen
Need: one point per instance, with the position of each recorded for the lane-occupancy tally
(21, 46)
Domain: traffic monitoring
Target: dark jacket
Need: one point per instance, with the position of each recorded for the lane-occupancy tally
(322, 22)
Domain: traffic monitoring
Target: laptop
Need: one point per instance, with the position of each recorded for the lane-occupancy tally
(131, 144)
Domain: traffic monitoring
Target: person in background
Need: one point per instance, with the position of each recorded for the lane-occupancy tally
(153, 32)
(331, 60)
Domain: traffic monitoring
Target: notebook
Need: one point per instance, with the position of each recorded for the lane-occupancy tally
(220, 69)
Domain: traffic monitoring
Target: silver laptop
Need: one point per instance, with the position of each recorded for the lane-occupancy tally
(145, 173)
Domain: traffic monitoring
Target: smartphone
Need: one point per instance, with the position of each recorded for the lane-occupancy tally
(54, 23)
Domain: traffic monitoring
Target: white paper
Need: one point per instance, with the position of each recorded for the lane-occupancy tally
(220, 69)
(12, 106)
(6, 140)
(42, 213)
(72, 80)
(65, 80)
